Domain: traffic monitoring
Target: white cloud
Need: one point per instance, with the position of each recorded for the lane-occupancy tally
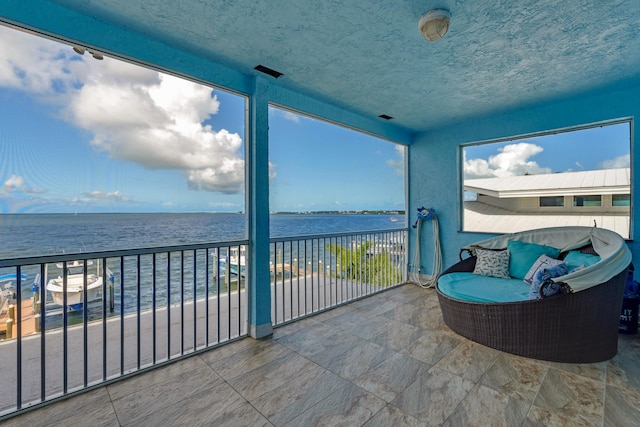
(511, 160)
(16, 184)
(397, 164)
(273, 173)
(134, 114)
(97, 195)
(623, 161)
(288, 115)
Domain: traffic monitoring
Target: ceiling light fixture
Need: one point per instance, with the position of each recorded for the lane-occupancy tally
(434, 24)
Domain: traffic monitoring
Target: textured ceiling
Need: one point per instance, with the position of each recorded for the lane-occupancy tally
(367, 56)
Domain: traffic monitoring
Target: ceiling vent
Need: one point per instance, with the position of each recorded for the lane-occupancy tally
(273, 73)
(384, 116)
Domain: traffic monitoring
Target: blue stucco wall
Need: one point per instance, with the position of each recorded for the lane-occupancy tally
(434, 162)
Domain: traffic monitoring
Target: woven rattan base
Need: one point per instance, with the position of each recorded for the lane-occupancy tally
(580, 327)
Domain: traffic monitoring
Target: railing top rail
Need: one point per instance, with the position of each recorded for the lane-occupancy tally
(45, 259)
(343, 234)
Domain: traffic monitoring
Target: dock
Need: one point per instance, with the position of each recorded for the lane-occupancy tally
(27, 320)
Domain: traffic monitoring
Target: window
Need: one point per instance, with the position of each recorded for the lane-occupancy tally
(319, 167)
(594, 200)
(519, 184)
(621, 200)
(113, 154)
(550, 201)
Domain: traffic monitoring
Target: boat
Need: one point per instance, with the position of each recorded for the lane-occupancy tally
(7, 298)
(236, 262)
(75, 284)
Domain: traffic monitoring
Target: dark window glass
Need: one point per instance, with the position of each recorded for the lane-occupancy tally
(552, 201)
(590, 200)
(621, 200)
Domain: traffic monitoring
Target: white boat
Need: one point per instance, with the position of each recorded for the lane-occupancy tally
(76, 285)
(8, 289)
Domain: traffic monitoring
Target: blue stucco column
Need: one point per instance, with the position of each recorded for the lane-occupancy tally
(259, 291)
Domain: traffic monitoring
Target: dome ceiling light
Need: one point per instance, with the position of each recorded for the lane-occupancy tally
(434, 24)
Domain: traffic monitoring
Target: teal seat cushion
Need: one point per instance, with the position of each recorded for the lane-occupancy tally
(575, 259)
(523, 255)
(475, 288)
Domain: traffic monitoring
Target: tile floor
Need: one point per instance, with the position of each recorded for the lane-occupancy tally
(387, 360)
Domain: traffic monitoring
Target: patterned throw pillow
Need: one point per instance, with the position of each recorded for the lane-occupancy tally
(541, 276)
(492, 263)
(543, 261)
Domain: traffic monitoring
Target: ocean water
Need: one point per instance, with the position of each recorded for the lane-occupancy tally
(51, 234)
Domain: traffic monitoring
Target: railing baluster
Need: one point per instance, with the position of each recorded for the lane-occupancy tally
(153, 306)
(104, 319)
(85, 323)
(138, 346)
(181, 303)
(18, 323)
(168, 305)
(43, 328)
(206, 297)
(64, 329)
(122, 338)
(195, 300)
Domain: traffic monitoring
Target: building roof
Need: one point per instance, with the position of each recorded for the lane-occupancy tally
(367, 58)
(603, 181)
(480, 217)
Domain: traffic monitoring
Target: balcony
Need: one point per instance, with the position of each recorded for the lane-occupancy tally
(382, 360)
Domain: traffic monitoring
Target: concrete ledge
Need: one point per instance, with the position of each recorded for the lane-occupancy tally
(260, 331)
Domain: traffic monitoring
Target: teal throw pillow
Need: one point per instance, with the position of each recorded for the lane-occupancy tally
(575, 259)
(523, 255)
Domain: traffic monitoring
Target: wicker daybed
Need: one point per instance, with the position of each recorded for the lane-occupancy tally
(579, 325)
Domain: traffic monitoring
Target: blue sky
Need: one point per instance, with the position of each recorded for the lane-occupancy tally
(602, 147)
(82, 135)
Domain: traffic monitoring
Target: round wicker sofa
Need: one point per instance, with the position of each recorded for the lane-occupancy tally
(580, 326)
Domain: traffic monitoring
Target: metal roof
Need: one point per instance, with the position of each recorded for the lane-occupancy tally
(480, 217)
(603, 181)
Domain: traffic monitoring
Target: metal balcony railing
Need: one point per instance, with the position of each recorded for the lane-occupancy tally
(96, 317)
(317, 272)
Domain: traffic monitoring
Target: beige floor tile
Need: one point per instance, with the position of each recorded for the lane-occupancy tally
(538, 417)
(433, 396)
(392, 376)
(396, 335)
(94, 405)
(515, 376)
(355, 362)
(287, 401)
(148, 400)
(621, 407)
(432, 346)
(571, 396)
(219, 406)
(484, 406)
(160, 375)
(349, 406)
(268, 377)
(623, 371)
(468, 360)
(392, 416)
(250, 359)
